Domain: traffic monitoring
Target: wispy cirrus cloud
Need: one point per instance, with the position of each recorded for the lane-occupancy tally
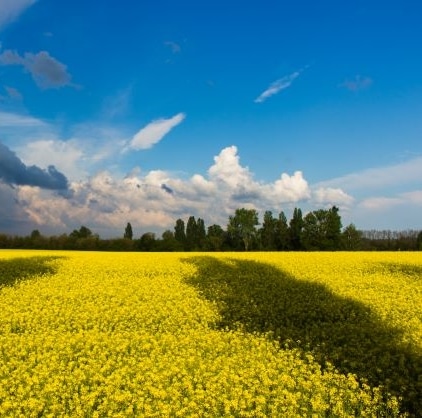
(357, 83)
(277, 86)
(117, 104)
(380, 177)
(175, 47)
(13, 93)
(154, 132)
(46, 71)
(11, 9)
(380, 212)
(14, 120)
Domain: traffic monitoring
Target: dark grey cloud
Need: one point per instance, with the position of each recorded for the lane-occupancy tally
(246, 196)
(13, 219)
(14, 171)
(46, 71)
(167, 188)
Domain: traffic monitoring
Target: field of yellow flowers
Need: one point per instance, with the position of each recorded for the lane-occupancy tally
(86, 334)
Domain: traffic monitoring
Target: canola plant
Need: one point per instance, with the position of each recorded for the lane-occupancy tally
(87, 334)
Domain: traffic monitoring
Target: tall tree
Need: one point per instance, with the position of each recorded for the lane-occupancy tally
(312, 233)
(333, 229)
(268, 232)
(191, 234)
(128, 231)
(179, 232)
(282, 232)
(419, 241)
(242, 226)
(200, 225)
(295, 229)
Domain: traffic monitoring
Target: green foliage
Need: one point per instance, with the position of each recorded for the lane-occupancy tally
(351, 238)
(321, 230)
(168, 242)
(147, 242)
(268, 232)
(215, 238)
(242, 226)
(179, 232)
(295, 229)
(419, 241)
(282, 233)
(128, 231)
(84, 232)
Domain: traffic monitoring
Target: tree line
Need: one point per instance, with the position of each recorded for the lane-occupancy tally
(319, 230)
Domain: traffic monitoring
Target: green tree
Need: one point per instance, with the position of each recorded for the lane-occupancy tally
(179, 232)
(282, 233)
(35, 234)
(333, 229)
(242, 226)
(147, 241)
(351, 238)
(295, 229)
(215, 238)
(128, 231)
(200, 226)
(321, 230)
(83, 232)
(36, 240)
(419, 241)
(191, 234)
(168, 242)
(312, 232)
(268, 232)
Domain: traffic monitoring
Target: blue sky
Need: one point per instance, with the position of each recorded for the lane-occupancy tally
(145, 112)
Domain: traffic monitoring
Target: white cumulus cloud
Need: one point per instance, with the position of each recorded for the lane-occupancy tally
(332, 196)
(227, 169)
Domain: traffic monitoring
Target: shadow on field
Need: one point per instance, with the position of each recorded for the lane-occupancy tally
(22, 268)
(261, 298)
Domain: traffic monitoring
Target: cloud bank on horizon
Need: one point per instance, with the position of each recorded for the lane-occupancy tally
(155, 199)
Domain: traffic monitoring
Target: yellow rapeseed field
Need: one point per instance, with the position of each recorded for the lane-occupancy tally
(87, 334)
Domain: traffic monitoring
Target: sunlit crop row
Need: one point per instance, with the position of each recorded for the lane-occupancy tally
(133, 334)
